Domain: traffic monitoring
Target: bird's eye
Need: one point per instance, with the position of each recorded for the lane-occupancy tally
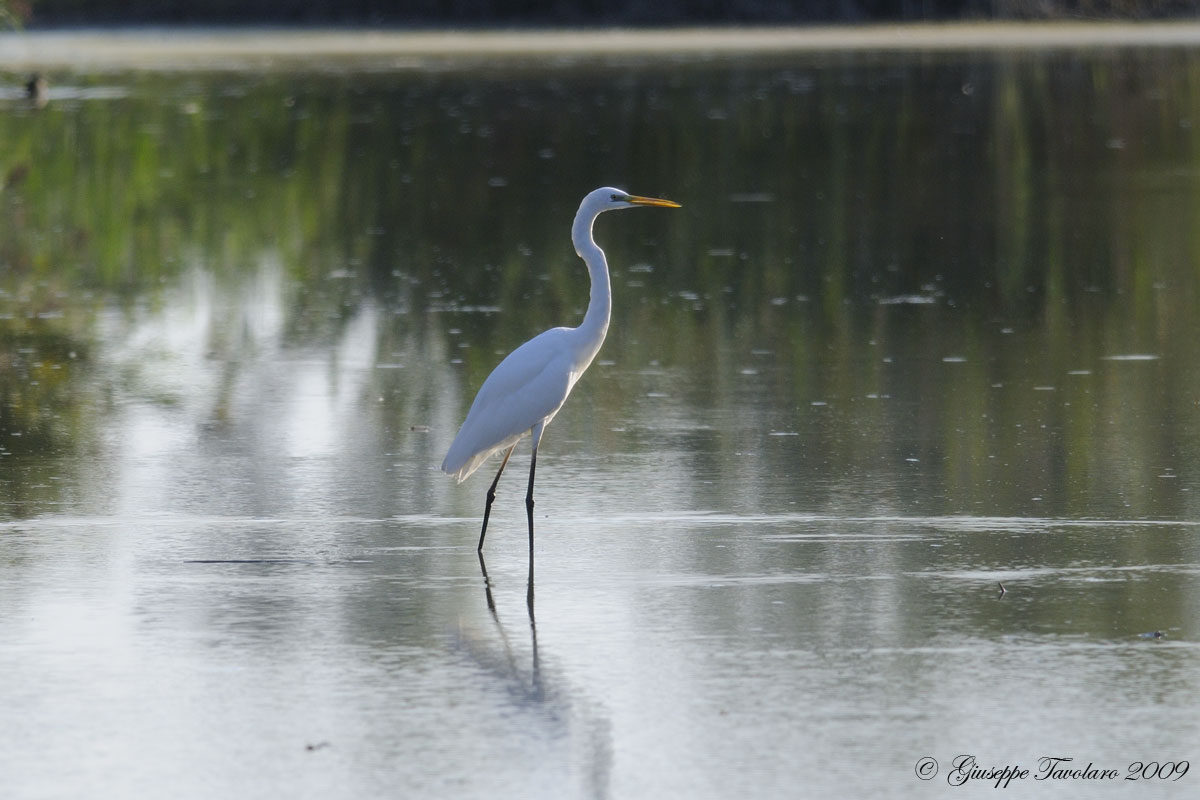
(616, 198)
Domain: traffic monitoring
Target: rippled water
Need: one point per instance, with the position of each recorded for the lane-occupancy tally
(890, 453)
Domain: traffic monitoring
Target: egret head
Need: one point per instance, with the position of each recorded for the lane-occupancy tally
(608, 199)
(596, 203)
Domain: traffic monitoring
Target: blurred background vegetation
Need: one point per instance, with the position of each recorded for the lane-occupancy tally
(572, 12)
(969, 239)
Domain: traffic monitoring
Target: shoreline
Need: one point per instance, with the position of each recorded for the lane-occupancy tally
(239, 48)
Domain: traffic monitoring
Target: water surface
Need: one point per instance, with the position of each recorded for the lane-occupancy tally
(925, 326)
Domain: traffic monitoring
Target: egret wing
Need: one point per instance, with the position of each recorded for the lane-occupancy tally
(527, 387)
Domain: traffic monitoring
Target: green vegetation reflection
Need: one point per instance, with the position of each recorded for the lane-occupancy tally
(985, 266)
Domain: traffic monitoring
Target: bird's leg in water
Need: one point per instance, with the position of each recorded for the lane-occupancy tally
(491, 497)
(529, 502)
(537, 439)
(529, 592)
(529, 510)
(487, 583)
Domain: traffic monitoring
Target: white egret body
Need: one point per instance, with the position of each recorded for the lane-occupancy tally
(531, 384)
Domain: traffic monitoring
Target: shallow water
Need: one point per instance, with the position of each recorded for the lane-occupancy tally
(925, 327)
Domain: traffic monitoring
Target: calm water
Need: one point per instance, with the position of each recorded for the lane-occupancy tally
(925, 325)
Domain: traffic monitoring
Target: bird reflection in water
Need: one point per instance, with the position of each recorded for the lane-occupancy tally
(566, 729)
(491, 604)
(491, 601)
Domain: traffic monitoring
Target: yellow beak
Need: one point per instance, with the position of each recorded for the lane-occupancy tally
(652, 201)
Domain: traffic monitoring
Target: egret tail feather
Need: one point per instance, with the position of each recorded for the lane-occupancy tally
(460, 466)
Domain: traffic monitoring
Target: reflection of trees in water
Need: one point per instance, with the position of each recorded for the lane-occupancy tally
(850, 222)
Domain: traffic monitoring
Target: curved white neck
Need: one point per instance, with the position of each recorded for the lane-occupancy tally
(595, 322)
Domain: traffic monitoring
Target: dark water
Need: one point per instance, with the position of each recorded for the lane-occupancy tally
(925, 325)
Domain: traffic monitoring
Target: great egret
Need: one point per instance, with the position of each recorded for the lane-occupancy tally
(531, 384)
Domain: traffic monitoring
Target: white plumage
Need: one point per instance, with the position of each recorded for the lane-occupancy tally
(531, 384)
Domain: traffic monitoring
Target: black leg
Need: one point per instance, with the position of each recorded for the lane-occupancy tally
(491, 497)
(529, 507)
(537, 675)
(529, 593)
(487, 583)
